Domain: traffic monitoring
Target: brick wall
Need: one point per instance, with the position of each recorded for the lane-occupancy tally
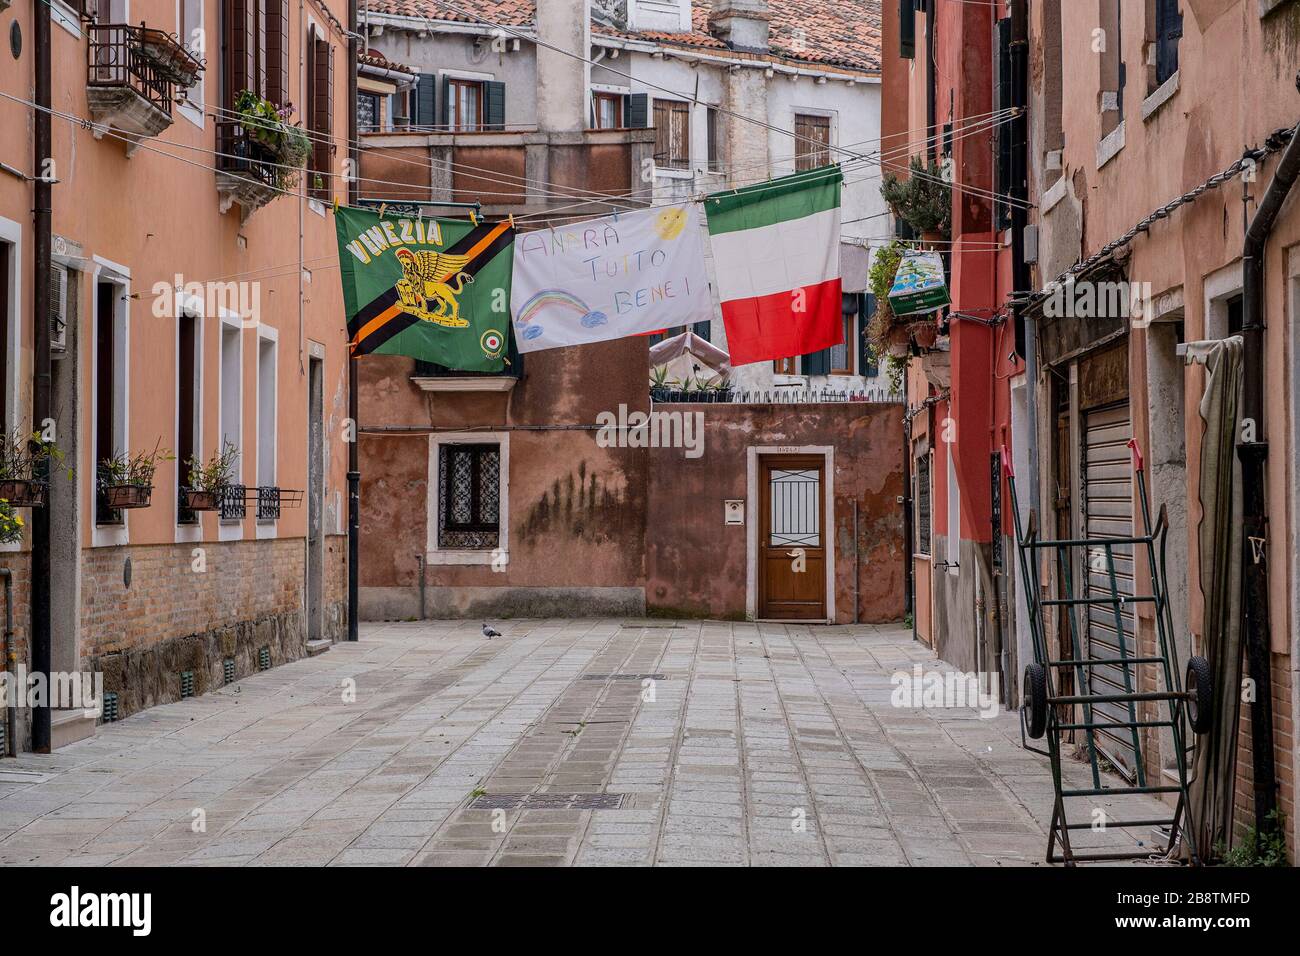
(1283, 757)
(172, 616)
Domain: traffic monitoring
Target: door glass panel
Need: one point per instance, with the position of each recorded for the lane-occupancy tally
(796, 504)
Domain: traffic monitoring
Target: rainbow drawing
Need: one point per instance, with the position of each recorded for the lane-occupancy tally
(560, 300)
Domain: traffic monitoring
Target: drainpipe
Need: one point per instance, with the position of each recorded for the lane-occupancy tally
(909, 582)
(41, 650)
(1253, 456)
(10, 659)
(354, 473)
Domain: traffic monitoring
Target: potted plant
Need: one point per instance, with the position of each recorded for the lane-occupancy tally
(25, 467)
(127, 481)
(923, 200)
(268, 126)
(659, 383)
(207, 481)
(11, 524)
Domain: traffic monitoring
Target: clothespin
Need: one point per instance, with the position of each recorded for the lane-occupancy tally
(512, 220)
(336, 202)
(382, 207)
(473, 217)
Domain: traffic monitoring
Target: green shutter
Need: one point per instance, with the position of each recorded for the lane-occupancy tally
(868, 364)
(426, 98)
(817, 363)
(907, 29)
(494, 104)
(444, 103)
(636, 110)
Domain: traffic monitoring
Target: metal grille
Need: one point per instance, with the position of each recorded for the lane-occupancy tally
(469, 496)
(1108, 513)
(231, 506)
(228, 669)
(187, 684)
(796, 508)
(923, 504)
(264, 659)
(995, 465)
(268, 503)
(110, 707)
(548, 801)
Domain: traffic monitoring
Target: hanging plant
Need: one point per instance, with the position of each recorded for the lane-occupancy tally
(923, 200)
(882, 329)
(11, 523)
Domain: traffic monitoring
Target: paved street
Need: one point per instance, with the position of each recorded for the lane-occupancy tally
(763, 744)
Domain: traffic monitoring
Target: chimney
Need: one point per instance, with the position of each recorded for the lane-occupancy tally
(741, 24)
(562, 80)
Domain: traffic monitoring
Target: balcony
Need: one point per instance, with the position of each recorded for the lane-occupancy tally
(132, 75)
(519, 171)
(248, 172)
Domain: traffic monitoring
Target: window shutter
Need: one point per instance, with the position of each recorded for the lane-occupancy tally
(817, 363)
(322, 115)
(444, 103)
(494, 105)
(636, 110)
(868, 364)
(702, 329)
(426, 101)
(259, 25)
(239, 41)
(906, 29)
(277, 51)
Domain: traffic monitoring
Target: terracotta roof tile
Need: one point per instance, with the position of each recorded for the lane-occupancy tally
(827, 32)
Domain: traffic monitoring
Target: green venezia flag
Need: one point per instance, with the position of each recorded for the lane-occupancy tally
(433, 289)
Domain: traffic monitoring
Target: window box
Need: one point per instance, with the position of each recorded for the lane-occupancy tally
(193, 499)
(124, 497)
(24, 493)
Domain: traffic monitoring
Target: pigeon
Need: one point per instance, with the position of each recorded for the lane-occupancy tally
(490, 632)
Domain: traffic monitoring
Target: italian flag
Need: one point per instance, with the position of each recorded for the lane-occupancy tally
(776, 252)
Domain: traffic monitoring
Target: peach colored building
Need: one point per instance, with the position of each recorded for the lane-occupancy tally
(196, 304)
(1134, 105)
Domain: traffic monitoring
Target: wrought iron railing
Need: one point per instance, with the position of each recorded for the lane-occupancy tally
(773, 396)
(231, 506)
(115, 59)
(239, 153)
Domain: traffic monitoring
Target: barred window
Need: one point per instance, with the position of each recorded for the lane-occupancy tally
(922, 499)
(469, 496)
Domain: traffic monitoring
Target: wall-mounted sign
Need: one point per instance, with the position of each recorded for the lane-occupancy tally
(733, 511)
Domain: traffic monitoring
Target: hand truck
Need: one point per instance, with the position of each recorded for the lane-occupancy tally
(1045, 711)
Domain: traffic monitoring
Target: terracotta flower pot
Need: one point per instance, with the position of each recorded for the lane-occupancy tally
(924, 334)
(120, 497)
(200, 500)
(23, 492)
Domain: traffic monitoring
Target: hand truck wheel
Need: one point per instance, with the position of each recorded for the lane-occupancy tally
(1035, 699)
(1199, 686)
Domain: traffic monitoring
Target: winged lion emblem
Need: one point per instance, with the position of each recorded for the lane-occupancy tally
(425, 289)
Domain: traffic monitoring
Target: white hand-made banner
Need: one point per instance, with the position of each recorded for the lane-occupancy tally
(609, 277)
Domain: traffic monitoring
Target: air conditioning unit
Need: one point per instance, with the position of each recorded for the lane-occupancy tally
(58, 309)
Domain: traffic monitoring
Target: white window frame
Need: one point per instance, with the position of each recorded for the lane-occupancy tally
(266, 527)
(11, 233)
(106, 270)
(189, 305)
(230, 529)
(192, 107)
(436, 555)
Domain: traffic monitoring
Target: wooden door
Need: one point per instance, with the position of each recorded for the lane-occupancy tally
(792, 538)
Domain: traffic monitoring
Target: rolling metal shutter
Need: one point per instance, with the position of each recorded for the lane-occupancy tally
(1108, 513)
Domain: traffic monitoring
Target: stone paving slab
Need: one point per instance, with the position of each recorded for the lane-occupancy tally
(423, 744)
